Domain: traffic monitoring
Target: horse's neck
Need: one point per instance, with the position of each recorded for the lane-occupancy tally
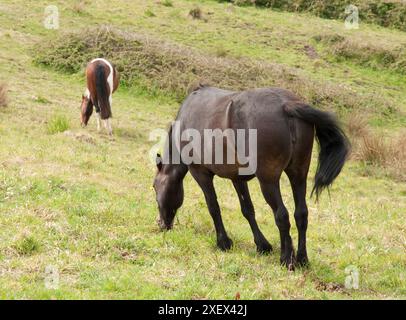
(176, 171)
(173, 161)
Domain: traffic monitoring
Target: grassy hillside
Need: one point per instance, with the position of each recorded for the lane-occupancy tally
(79, 201)
(384, 13)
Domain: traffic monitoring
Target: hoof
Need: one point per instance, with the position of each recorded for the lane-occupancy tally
(289, 261)
(225, 244)
(302, 261)
(264, 248)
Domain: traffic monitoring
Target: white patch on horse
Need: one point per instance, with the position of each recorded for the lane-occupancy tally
(98, 120)
(109, 128)
(87, 93)
(109, 78)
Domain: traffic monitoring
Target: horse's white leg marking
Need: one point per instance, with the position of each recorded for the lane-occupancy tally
(87, 93)
(109, 128)
(98, 120)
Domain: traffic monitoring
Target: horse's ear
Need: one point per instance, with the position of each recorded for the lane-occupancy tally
(158, 161)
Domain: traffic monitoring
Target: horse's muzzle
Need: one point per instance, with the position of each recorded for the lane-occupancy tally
(162, 225)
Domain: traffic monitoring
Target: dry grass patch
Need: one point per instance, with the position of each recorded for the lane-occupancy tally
(3, 95)
(370, 54)
(388, 153)
(357, 125)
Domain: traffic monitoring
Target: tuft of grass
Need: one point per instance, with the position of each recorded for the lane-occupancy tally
(386, 153)
(196, 13)
(41, 100)
(3, 95)
(27, 245)
(221, 52)
(57, 123)
(149, 13)
(357, 125)
(79, 7)
(166, 3)
(373, 149)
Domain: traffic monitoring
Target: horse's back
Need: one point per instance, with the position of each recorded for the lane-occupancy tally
(258, 109)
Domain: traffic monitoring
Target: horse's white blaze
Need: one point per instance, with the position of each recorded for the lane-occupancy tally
(109, 78)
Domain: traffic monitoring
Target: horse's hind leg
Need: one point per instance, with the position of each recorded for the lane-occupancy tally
(108, 127)
(98, 121)
(297, 172)
(272, 194)
(247, 208)
(205, 181)
(298, 183)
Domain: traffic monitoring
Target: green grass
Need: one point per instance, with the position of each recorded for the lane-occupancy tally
(57, 123)
(84, 202)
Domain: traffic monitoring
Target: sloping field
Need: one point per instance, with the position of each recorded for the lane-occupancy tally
(75, 203)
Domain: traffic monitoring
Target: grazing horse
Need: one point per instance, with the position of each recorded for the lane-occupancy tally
(285, 129)
(102, 80)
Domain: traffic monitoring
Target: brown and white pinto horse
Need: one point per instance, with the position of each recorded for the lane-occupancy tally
(102, 80)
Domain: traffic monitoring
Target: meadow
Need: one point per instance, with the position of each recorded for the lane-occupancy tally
(82, 204)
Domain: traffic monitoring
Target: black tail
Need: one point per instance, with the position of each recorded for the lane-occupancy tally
(333, 144)
(102, 92)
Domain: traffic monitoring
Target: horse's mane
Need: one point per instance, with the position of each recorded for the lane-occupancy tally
(196, 87)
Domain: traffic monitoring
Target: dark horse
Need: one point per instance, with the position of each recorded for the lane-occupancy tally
(285, 132)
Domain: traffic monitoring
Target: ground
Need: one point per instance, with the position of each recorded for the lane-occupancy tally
(82, 204)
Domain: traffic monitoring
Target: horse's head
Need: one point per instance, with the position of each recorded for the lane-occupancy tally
(86, 109)
(168, 185)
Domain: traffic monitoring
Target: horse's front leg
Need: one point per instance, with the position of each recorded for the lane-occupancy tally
(205, 181)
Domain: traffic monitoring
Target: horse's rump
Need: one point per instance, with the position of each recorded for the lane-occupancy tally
(103, 90)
